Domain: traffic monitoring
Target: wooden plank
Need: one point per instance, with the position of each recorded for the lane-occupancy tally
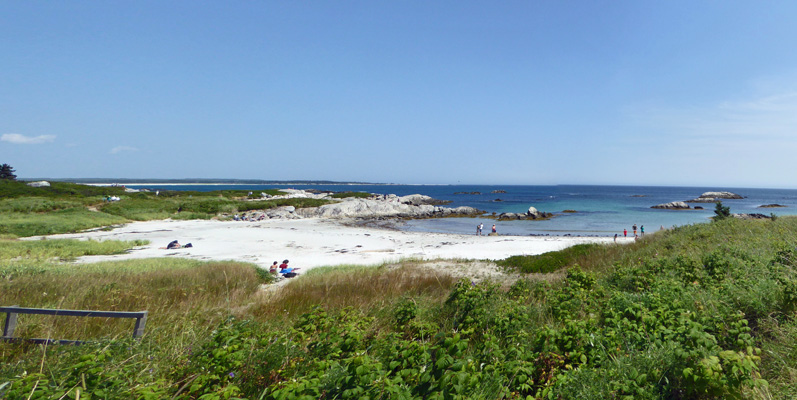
(13, 311)
(74, 313)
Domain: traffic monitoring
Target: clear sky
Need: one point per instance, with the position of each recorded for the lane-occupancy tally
(693, 93)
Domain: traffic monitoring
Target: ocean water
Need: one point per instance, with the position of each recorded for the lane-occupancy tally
(600, 210)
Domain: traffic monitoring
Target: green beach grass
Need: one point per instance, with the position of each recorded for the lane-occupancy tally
(703, 311)
(68, 207)
(706, 311)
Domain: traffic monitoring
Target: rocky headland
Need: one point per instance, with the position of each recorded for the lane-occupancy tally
(415, 206)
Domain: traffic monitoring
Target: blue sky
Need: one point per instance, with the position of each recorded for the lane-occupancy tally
(516, 92)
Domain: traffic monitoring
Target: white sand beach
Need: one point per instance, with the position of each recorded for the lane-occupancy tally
(313, 242)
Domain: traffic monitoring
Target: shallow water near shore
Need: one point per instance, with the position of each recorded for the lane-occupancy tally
(600, 210)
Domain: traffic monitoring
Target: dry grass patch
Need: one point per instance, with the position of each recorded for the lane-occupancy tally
(183, 297)
(364, 288)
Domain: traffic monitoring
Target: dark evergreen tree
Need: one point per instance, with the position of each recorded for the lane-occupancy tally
(721, 212)
(7, 172)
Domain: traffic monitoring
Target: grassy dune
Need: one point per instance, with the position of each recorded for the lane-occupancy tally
(67, 207)
(699, 312)
(704, 311)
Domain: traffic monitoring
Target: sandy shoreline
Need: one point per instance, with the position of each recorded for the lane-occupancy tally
(311, 243)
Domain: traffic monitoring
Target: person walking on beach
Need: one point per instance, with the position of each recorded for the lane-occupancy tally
(642, 230)
(494, 228)
(479, 229)
(625, 232)
(634, 228)
(615, 238)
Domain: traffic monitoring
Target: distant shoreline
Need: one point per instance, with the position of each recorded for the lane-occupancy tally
(103, 184)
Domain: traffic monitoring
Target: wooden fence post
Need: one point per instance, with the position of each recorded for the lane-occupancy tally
(11, 324)
(141, 322)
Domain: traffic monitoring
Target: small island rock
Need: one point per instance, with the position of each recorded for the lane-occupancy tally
(675, 205)
(713, 197)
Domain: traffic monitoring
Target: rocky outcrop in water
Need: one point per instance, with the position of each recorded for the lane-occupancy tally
(713, 197)
(532, 213)
(771, 206)
(751, 216)
(675, 205)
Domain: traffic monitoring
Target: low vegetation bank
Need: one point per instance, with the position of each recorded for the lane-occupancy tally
(698, 312)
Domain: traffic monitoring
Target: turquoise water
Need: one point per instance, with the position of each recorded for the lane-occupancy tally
(601, 210)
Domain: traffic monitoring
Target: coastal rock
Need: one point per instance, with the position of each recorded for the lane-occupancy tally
(771, 206)
(39, 184)
(300, 194)
(285, 212)
(532, 213)
(420, 199)
(369, 208)
(675, 205)
(751, 216)
(498, 191)
(713, 197)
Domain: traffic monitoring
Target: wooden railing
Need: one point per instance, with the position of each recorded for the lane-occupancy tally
(13, 311)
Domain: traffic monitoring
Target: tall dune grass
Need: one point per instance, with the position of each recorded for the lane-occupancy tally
(180, 296)
(363, 288)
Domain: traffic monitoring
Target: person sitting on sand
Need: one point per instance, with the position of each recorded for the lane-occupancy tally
(173, 245)
(273, 269)
(287, 271)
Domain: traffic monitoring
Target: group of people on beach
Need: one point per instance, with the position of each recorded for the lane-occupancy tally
(480, 228)
(634, 228)
(283, 270)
